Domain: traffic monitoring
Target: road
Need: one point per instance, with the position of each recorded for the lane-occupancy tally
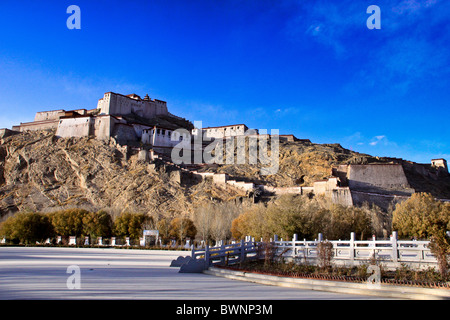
(35, 273)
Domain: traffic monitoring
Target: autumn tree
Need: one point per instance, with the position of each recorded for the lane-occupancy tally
(68, 222)
(182, 228)
(223, 215)
(424, 217)
(421, 216)
(97, 224)
(163, 227)
(294, 214)
(345, 220)
(27, 227)
(130, 224)
(251, 223)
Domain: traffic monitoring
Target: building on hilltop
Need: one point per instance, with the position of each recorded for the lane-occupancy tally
(224, 131)
(440, 163)
(130, 119)
(120, 105)
(127, 118)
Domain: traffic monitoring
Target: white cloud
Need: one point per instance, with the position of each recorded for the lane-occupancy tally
(377, 139)
(286, 111)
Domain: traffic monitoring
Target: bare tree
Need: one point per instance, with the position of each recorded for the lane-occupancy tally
(203, 217)
(213, 221)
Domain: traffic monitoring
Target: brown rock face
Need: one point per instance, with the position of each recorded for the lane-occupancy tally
(40, 172)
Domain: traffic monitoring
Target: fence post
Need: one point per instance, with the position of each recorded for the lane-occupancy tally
(207, 262)
(352, 247)
(294, 239)
(222, 258)
(320, 237)
(394, 247)
(242, 250)
(374, 251)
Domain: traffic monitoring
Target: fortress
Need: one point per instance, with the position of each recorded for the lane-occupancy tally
(147, 124)
(128, 119)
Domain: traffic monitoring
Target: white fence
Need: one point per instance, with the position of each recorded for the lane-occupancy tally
(391, 253)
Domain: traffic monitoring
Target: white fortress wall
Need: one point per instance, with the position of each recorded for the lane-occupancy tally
(49, 115)
(117, 104)
(224, 131)
(75, 127)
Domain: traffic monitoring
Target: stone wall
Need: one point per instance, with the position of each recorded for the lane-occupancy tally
(75, 127)
(384, 201)
(225, 131)
(49, 115)
(38, 125)
(124, 133)
(342, 196)
(325, 186)
(378, 178)
(117, 104)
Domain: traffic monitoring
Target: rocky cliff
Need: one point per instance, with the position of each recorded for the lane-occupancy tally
(39, 171)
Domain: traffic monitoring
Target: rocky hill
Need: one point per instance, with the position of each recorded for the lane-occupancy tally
(39, 171)
(302, 162)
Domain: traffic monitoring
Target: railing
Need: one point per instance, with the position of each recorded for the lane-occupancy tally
(352, 252)
(226, 254)
(392, 253)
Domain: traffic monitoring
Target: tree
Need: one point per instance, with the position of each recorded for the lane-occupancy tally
(163, 227)
(203, 219)
(251, 223)
(420, 216)
(130, 224)
(294, 214)
(28, 227)
(424, 217)
(97, 224)
(182, 228)
(214, 220)
(68, 222)
(223, 216)
(345, 220)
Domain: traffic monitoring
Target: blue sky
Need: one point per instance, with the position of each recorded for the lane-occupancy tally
(311, 67)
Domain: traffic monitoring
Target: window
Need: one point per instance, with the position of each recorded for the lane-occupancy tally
(158, 131)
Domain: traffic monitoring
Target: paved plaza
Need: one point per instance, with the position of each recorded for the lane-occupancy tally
(34, 273)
